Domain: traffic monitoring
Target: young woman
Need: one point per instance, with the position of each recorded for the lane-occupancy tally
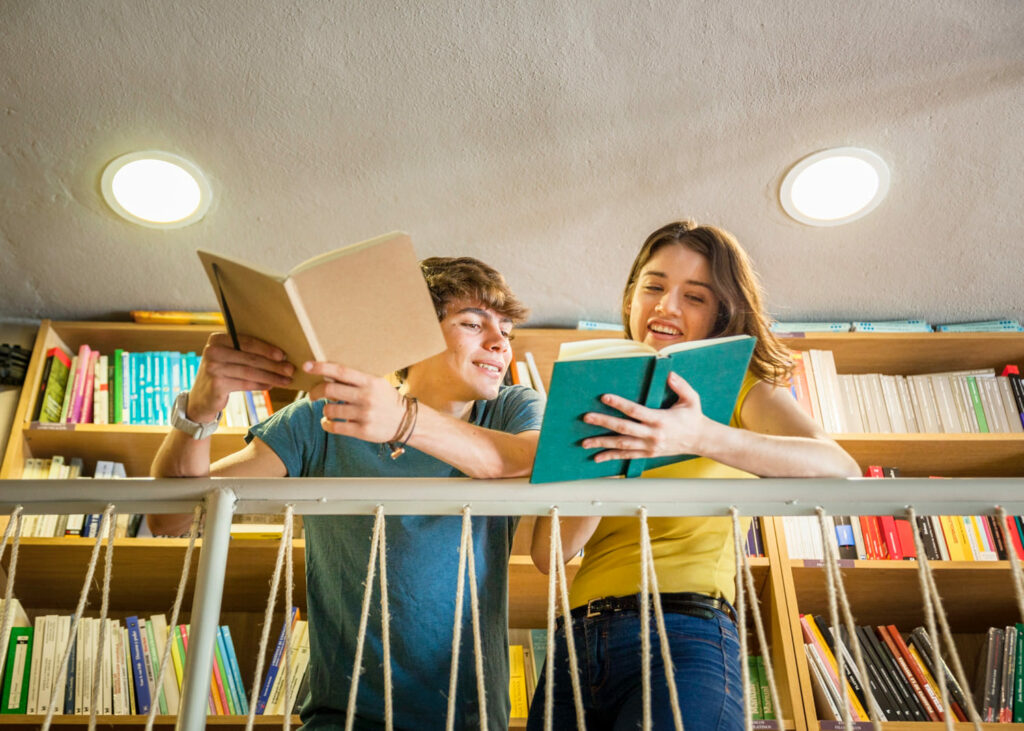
(688, 282)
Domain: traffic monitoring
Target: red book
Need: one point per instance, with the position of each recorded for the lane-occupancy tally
(881, 552)
(1011, 524)
(905, 534)
(886, 634)
(870, 549)
(78, 388)
(801, 389)
(875, 470)
(87, 392)
(887, 524)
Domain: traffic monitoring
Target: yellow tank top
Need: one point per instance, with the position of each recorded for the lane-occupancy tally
(690, 554)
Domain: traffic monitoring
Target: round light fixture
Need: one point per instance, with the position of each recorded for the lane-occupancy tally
(834, 187)
(156, 189)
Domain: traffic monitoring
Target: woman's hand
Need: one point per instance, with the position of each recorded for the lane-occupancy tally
(359, 405)
(650, 432)
(255, 366)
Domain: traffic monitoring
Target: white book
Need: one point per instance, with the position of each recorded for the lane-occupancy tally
(825, 691)
(826, 397)
(861, 380)
(858, 538)
(32, 706)
(147, 662)
(812, 531)
(877, 396)
(535, 379)
(893, 407)
(523, 373)
(972, 539)
(49, 660)
(299, 666)
(117, 690)
(275, 703)
(940, 538)
(170, 683)
(851, 403)
(964, 405)
(986, 551)
(924, 404)
(130, 699)
(944, 399)
(80, 651)
(907, 401)
(1009, 405)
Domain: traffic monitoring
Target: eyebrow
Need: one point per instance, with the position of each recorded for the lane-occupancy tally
(484, 313)
(696, 282)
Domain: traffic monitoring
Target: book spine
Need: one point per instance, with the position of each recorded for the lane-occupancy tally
(139, 675)
(230, 692)
(904, 667)
(932, 698)
(243, 699)
(275, 662)
(43, 382)
(69, 392)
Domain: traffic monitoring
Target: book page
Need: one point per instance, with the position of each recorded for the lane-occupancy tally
(603, 348)
(322, 259)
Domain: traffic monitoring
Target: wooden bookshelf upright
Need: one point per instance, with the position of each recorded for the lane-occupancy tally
(50, 568)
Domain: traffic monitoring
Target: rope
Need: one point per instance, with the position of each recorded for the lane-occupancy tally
(460, 585)
(647, 557)
(933, 598)
(743, 570)
(385, 624)
(557, 570)
(268, 615)
(924, 566)
(549, 662)
(62, 668)
(378, 526)
(466, 561)
(106, 529)
(827, 536)
(193, 532)
(14, 524)
(289, 585)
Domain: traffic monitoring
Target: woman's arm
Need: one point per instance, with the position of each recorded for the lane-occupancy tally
(778, 438)
(575, 533)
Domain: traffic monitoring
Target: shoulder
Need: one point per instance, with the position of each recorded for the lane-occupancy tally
(771, 409)
(515, 409)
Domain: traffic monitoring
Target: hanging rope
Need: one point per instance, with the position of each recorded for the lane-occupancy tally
(15, 525)
(837, 595)
(62, 668)
(745, 575)
(466, 561)
(556, 572)
(268, 616)
(193, 532)
(933, 605)
(649, 581)
(106, 529)
(376, 545)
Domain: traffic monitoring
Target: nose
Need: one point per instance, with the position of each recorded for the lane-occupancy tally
(495, 341)
(667, 305)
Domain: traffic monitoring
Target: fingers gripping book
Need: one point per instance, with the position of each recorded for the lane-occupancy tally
(588, 369)
(365, 306)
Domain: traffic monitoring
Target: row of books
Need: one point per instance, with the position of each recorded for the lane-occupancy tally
(884, 537)
(950, 402)
(128, 388)
(125, 667)
(525, 373)
(84, 526)
(271, 699)
(898, 326)
(901, 674)
(999, 682)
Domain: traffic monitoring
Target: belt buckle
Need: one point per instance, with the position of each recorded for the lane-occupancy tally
(592, 608)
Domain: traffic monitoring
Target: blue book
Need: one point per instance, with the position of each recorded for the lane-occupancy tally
(234, 671)
(69, 683)
(139, 680)
(275, 663)
(596, 325)
(250, 409)
(780, 326)
(881, 326)
(982, 326)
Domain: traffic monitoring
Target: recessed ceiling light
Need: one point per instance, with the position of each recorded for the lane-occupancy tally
(156, 189)
(835, 186)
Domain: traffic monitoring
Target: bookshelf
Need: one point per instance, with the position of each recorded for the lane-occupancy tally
(146, 570)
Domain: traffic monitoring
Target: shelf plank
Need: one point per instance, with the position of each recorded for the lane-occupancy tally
(944, 455)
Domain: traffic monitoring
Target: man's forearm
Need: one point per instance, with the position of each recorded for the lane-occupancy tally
(179, 456)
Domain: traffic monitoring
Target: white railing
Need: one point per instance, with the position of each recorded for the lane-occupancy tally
(362, 496)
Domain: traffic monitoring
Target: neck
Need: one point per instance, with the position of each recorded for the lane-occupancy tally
(437, 398)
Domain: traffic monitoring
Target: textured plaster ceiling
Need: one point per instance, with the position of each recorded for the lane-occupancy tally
(545, 137)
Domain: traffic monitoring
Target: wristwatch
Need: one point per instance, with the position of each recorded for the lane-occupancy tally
(181, 422)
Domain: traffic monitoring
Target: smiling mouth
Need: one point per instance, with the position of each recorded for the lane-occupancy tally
(664, 329)
(489, 367)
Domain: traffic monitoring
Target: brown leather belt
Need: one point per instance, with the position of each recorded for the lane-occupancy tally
(698, 605)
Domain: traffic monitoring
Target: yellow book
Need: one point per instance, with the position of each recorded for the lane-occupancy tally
(176, 317)
(854, 701)
(176, 659)
(933, 689)
(517, 682)
(953, 542)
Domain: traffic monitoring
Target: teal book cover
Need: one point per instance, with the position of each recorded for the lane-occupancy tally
(587, 370)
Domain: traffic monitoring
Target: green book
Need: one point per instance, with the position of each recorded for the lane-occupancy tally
(53, 384)
(588, 369)
(1018, 677)
(979, 410)
(16, 672)
(756, 713)
(767, 707)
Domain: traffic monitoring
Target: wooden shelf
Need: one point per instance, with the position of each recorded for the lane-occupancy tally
(228, 723)
(943, 455)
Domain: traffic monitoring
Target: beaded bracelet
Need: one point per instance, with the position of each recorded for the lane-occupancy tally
(405, 428)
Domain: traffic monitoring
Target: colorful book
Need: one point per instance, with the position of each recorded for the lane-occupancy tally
(242, 701)
(52, 385)
(319, 310)
(586, 370)
(275, 663)
(17, 669)
(140, 679)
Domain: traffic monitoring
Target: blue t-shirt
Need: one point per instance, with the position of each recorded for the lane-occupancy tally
(422, 569)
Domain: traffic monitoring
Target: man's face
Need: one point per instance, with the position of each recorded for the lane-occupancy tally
(478, 354)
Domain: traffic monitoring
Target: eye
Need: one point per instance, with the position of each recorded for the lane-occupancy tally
(652, 288)
(508, 336)
(695, 298)
(471, 325)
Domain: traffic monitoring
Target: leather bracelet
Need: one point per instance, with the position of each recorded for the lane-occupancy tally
(405, 428)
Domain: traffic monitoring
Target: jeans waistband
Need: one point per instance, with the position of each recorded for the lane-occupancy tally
(690, 603)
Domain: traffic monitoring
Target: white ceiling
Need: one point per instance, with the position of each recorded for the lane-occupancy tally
(545, 137)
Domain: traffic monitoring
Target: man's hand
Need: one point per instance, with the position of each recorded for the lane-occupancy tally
(359, 405)
(256, 367)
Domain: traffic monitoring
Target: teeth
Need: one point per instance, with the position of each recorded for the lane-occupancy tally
(488, 367)
(665, 330)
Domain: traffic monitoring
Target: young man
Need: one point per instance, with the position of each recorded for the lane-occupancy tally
(466, 423)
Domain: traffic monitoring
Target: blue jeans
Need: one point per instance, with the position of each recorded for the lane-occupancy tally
(705, 654)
